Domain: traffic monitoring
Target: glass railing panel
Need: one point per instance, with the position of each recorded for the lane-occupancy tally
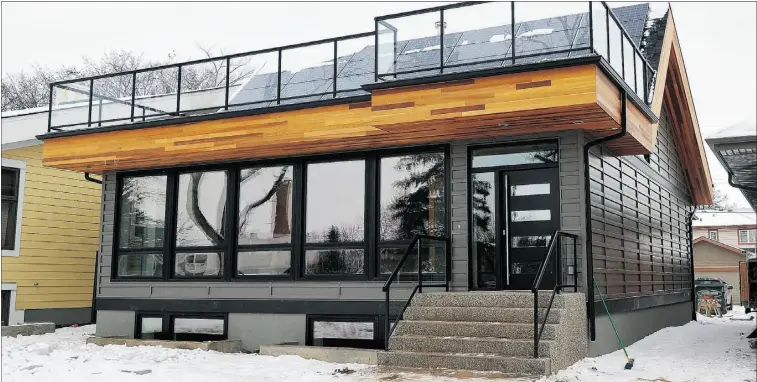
(203, 87)
(616, 47)
(253, 81)
(307, 73)
(478, 35)
(550, 32)
(111, 100)
(156, 94)
(355, 65)
(628, 62)
(417, 50)
(599, 29)
(640, 71)
(70, 105)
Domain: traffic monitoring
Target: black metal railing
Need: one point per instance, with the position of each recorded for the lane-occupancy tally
(399, 47)
(416, 243)
(556, 244)
(595, 31)
(310, 71)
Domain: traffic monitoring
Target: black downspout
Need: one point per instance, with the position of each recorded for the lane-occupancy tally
(691, 262)
(91, 179)
(587, 196)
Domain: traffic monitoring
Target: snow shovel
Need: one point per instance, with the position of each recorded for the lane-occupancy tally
(629, 363)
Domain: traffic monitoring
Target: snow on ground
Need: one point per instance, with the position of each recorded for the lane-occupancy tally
(711, 349)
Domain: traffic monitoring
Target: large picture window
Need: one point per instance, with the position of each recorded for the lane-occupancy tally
(412, 201)
(346, 218)
(335, 218)
(142, 224)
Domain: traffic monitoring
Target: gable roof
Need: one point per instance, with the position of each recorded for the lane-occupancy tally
(706, 218)
(672, 91)
(705, 240)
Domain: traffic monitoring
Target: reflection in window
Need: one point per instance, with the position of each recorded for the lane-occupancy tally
(142, 212)
(264, 263)
(530, 241)
(525, 268)
(10, 180)
(432, 260)
(335, 262)
(335, 202)
(412, 196)
(265, 205)
(198, 329)
(514, 155)
(342, 333)
(201, 209)
(484, 236)
(529, 189)
(198, 264)
(151, 328)
(140, 265)
(530, 215)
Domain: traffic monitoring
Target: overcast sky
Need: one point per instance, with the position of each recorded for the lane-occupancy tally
(717, 39)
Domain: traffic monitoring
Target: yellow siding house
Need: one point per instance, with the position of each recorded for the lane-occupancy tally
(50, 228)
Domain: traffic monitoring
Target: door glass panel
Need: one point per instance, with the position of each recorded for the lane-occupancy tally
(529, 241)
(529, 189)
(515, 155)
(530, 267)
(484, 235)
(530, 215)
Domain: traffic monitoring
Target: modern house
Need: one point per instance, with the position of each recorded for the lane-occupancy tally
(50, 230)
(424, 187)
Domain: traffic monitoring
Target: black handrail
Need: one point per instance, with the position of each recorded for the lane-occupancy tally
(554, 243)
(389, 328)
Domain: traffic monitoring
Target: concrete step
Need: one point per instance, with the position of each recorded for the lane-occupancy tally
(490, 345)
(524, 366)
(486, 299)
(474, 314)
(472, 329)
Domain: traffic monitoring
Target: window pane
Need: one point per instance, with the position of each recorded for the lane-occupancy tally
(335, 202)
(9, 224)
(412, 196)
(198, 264)
(202, 203)
(140, 265)
(9, 182)
(151, 328)
(142, 212)
(198, 329)
(529, 189)
(530, 215)
(530, 241)
(334, 262)
(433, 260)
(343, 334)
(484, 236)
(514, 155)
(265, 205)
(264, 263)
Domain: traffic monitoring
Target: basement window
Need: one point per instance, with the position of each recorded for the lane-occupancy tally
(343, 331)
(181, 326)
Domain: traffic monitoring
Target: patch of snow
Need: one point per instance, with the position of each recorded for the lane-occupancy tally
(709, 218)
(411, 51)
(465, 42)
(432, 47)
(500, 37)
(537, 32)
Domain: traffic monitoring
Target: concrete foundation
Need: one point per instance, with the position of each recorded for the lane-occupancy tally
(225, 346)
(115, 323)
(337, 355)
(28, 329)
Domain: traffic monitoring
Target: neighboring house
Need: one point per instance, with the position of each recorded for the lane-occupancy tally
(736, 149)
(278, 213)
(718, 260)
(734, 228)
(50, 230)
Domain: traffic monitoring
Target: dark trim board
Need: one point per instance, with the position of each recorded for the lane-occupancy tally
(59, 316)
(314, 307)
(642, 302)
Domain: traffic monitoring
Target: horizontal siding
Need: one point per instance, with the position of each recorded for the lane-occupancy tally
(59, 236)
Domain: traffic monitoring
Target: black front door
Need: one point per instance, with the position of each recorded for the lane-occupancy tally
(6, 305)
(530, 213)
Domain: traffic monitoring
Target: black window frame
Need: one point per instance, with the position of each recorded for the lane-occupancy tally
(371, 245)
(12, 217)
(168, 322)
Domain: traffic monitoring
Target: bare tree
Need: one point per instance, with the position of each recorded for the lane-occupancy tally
(720, 201)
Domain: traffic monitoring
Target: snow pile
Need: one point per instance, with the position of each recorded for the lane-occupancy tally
(710, 349)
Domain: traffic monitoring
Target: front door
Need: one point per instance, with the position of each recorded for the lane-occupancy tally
(529, 216)
(515, 210)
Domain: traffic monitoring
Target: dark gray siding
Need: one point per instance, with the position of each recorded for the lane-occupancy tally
(571, 196)
(639, 221)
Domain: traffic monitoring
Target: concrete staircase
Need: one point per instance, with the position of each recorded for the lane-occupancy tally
(488, 331)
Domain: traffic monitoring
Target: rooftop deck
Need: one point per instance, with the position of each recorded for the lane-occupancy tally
(463, 39)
